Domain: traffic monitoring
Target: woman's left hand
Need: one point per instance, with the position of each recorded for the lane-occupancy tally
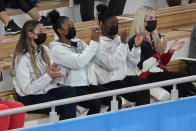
(55, 67)
(163, 46)
(176, 46)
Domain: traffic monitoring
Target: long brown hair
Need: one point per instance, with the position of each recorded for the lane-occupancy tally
(24, 46)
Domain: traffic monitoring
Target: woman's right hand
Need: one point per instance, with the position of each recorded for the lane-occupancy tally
(176, 46)
(163, 46)
(96, 32)
(139, 39)
(55, 67)
(54, 74)
(125, 36)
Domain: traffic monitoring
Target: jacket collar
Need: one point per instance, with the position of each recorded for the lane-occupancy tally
(36, 54)
(107, 38)
(73, 44)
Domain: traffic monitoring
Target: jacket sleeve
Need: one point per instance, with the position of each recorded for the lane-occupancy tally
(154, 60)
(111, 61)
(133, 57)
(165, 58)
(23, 79)
(73, 60)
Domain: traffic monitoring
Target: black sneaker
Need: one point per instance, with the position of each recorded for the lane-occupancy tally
(12, 28)
(46, 23)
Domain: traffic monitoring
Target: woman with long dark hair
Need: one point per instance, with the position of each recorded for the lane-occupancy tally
(75, 59)
(35, 74)
(113, 59)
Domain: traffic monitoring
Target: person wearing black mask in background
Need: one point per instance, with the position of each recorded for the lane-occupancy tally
(154, 57)
(36, 75)
(178, 2)
(74, 57)
(87, 8)
(192, 52)
(113, 59)
(1, 76)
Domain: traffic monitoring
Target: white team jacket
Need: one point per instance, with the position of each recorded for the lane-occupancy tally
(25, 80)
(113, 59)
(75, 61)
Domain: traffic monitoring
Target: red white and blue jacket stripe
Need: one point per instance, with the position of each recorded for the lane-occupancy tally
(151, 60)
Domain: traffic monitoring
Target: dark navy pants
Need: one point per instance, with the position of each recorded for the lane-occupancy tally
(65, 111)
(192, 68)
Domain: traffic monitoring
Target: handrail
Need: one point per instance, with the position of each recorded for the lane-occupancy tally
(71, 3)
(98, 95)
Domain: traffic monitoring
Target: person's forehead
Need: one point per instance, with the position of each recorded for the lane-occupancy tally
(68, 21)
(112, 19)
(39, 26)
(151, 13)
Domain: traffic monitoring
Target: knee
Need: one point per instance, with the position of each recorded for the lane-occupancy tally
(26, 6)
(181, 74)
(140, 81)
(143, 81)
(69, 90)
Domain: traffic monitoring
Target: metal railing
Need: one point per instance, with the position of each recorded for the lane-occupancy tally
(114, 104)
(71, 3)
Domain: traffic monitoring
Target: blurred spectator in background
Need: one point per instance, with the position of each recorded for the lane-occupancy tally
(178, 2)
(87, 8)
(192, 52)
(28, 6)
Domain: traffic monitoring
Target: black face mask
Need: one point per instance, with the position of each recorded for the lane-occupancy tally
(151, 25)
(41, 38)
(71, 33)
(113, 30)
